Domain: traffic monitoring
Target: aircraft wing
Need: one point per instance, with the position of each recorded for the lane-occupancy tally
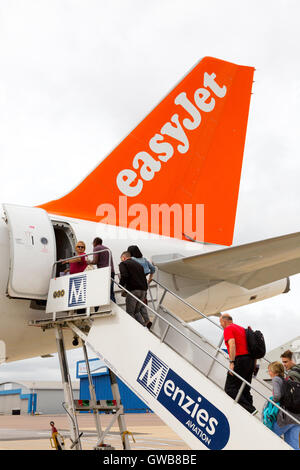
(250, 265)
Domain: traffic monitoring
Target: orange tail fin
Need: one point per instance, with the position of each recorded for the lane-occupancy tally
(182, 161)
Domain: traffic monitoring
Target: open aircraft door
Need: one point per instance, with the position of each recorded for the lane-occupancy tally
(32, 251)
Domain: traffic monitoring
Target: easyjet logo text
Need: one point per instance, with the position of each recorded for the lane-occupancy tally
(144, 166)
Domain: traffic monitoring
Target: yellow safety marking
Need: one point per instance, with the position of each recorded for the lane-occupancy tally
(124, 434)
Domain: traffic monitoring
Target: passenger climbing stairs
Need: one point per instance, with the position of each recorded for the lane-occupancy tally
(175, 370)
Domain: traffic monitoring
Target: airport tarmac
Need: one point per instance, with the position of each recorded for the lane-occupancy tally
(27, 432)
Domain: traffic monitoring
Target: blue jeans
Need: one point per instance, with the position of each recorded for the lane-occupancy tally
(290, 432)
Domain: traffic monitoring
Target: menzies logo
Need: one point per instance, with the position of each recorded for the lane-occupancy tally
(193, 410)
(131, 181)
(77, 291)
(153, 374)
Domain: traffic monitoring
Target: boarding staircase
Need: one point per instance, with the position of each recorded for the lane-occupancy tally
(172, 368)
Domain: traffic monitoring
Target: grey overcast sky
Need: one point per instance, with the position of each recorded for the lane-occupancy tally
(76, 77)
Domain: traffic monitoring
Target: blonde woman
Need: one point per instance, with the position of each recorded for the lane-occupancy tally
(77, 265)
(284, 425)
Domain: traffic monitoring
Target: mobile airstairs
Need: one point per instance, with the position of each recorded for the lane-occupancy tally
(173, 369)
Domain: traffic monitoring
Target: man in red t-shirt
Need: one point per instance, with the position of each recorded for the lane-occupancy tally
(240, 361)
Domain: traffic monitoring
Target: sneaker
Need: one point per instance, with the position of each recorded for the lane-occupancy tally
(149, 324)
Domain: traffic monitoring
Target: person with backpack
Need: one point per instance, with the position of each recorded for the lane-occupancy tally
(292, 369)
(284, 425)
(133, 278)
(241, 362)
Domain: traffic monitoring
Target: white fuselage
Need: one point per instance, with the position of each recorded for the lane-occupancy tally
(23, 341)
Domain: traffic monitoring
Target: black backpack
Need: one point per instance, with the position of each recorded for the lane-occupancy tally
(294, 373)
(291, 396)
(256, 343)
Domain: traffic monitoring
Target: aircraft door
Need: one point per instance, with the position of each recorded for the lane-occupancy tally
(32, 251)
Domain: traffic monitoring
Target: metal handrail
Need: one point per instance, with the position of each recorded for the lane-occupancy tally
(169, 325)
(85, 254)
(186, 303)
(166, 289)
(244, 382)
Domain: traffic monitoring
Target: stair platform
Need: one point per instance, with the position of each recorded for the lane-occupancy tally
(63, 318)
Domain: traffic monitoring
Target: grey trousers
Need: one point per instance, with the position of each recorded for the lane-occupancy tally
(136, 309)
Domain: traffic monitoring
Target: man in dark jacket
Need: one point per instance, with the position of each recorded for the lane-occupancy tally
(134, 280)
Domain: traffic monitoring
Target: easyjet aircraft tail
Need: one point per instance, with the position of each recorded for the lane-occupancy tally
(178, 171)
